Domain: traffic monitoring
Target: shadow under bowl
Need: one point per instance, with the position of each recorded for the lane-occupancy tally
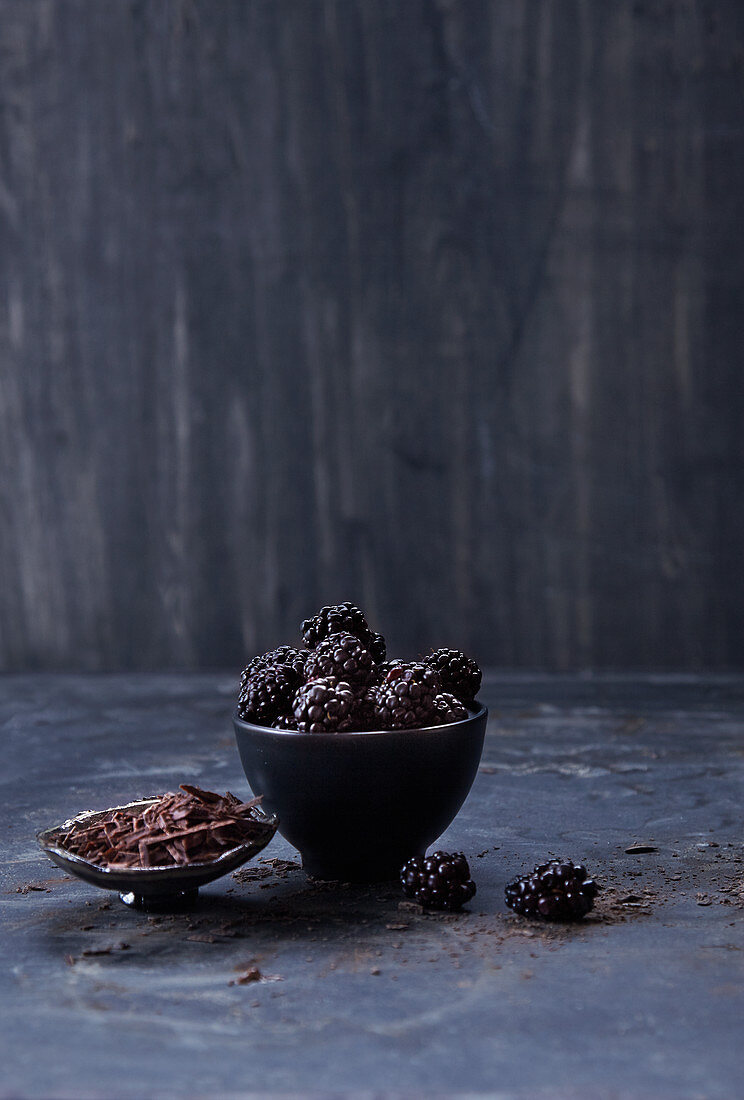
(358, 805)
(153, 887)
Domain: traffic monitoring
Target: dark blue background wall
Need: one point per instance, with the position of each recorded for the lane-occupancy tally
(435, 305)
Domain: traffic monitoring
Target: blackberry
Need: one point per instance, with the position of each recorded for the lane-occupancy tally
(405, 698)
(448, 708)
(324, 705)
(342, 657)
(377, 648)
(383, 667)
(556, 890)
(285, 722)
(266, 693)
(460, 674)
(286, 656)
(439, 881)
(340, 618)
(364, 714)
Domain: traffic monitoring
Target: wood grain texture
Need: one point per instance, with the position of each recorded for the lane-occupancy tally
(433, 305)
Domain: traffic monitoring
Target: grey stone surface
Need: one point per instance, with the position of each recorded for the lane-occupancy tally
(360, 991)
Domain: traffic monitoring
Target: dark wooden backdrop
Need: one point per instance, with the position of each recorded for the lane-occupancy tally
(431, 304)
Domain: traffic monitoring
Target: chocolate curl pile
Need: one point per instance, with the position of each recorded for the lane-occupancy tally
(176, 830)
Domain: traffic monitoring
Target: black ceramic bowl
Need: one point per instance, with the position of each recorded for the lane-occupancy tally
(357, 805)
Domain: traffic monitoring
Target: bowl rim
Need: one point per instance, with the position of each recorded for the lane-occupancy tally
(355, 735)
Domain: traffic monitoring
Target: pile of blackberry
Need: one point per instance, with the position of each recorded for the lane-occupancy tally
(341, 681)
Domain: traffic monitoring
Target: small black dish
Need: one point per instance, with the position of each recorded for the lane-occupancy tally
(357, 805)
(154, 887)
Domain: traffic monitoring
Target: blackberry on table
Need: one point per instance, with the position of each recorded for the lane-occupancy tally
(438, 881)
(405, 698)
(325, 705)
(448, 708)
(460, 674)
(339, 618)
(266, 693)
(556, 890)
(342, 657)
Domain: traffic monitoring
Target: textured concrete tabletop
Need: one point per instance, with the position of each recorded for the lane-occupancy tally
(360, 990)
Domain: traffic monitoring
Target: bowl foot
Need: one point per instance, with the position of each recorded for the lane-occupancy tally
(384, 869)
(154, 903)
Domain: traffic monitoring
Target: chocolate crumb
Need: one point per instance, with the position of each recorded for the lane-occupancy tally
(252, 874)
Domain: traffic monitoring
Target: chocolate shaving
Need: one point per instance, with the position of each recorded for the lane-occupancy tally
(177, 829)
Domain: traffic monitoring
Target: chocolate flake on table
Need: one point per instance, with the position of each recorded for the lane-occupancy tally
(190, 826)
(248, 975)
(107, 950)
